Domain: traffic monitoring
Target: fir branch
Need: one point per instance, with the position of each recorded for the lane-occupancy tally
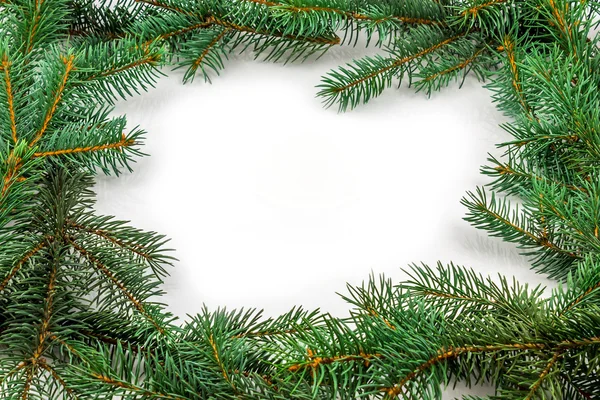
(347, 14)
(538, 384)
(397, 63)
(9, 96)
(109, 237)
(123, 143)
(315, 361)
(508, 46)
(474, 10)
(106, 272)
(69, 66)
(461, 65)
(446, 354)
(579, 299)
(19, 264)
(251, 30)
(370, 76)
(496, 221)
(217, 358)
(14, 165)
(133, 388)
(209, 22)
(169, 7)
(149, 59)
(58, 379)
(450, 353)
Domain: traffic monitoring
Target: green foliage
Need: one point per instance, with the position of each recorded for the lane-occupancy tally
(79, 310)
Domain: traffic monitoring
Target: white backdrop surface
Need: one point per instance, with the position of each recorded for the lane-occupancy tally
(272, 201)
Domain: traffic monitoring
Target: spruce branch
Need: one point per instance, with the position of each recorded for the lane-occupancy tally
(77, 311)
(104, 270)
(368, 77)
(9, 96)
(68, 62)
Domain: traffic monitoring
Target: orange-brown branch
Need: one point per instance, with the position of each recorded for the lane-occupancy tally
(13, 371)
(458, 66)
(71, 349)
(28, 380)
(107, 236)
(560, 19)
(9, 97)
(212, 20)
(111, 277)
(542, 241)
(347, 14)
(117, 145)
(34, 362)
(169, 7)
(475, 9)
(537, 385)
(209, 22)
(243, 28)
(445, 354)
(20, 263)
(69, 66)
(34, 27)
(149, 59)
(580, 298)
(453, 352)
(14, 165)
(110, 340)
(127, 386)
(509, 48)
(212, 43)
(506, 169)
(213, 345)
(58, 378)
(315, 362)
(45, 325)
(372, 312)
(399, 62)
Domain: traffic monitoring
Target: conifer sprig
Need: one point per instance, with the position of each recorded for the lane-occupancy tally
(79, 317)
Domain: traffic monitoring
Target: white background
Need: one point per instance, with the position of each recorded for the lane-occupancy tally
(272, 201)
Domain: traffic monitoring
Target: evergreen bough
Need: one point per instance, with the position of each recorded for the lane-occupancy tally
(79, 317)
